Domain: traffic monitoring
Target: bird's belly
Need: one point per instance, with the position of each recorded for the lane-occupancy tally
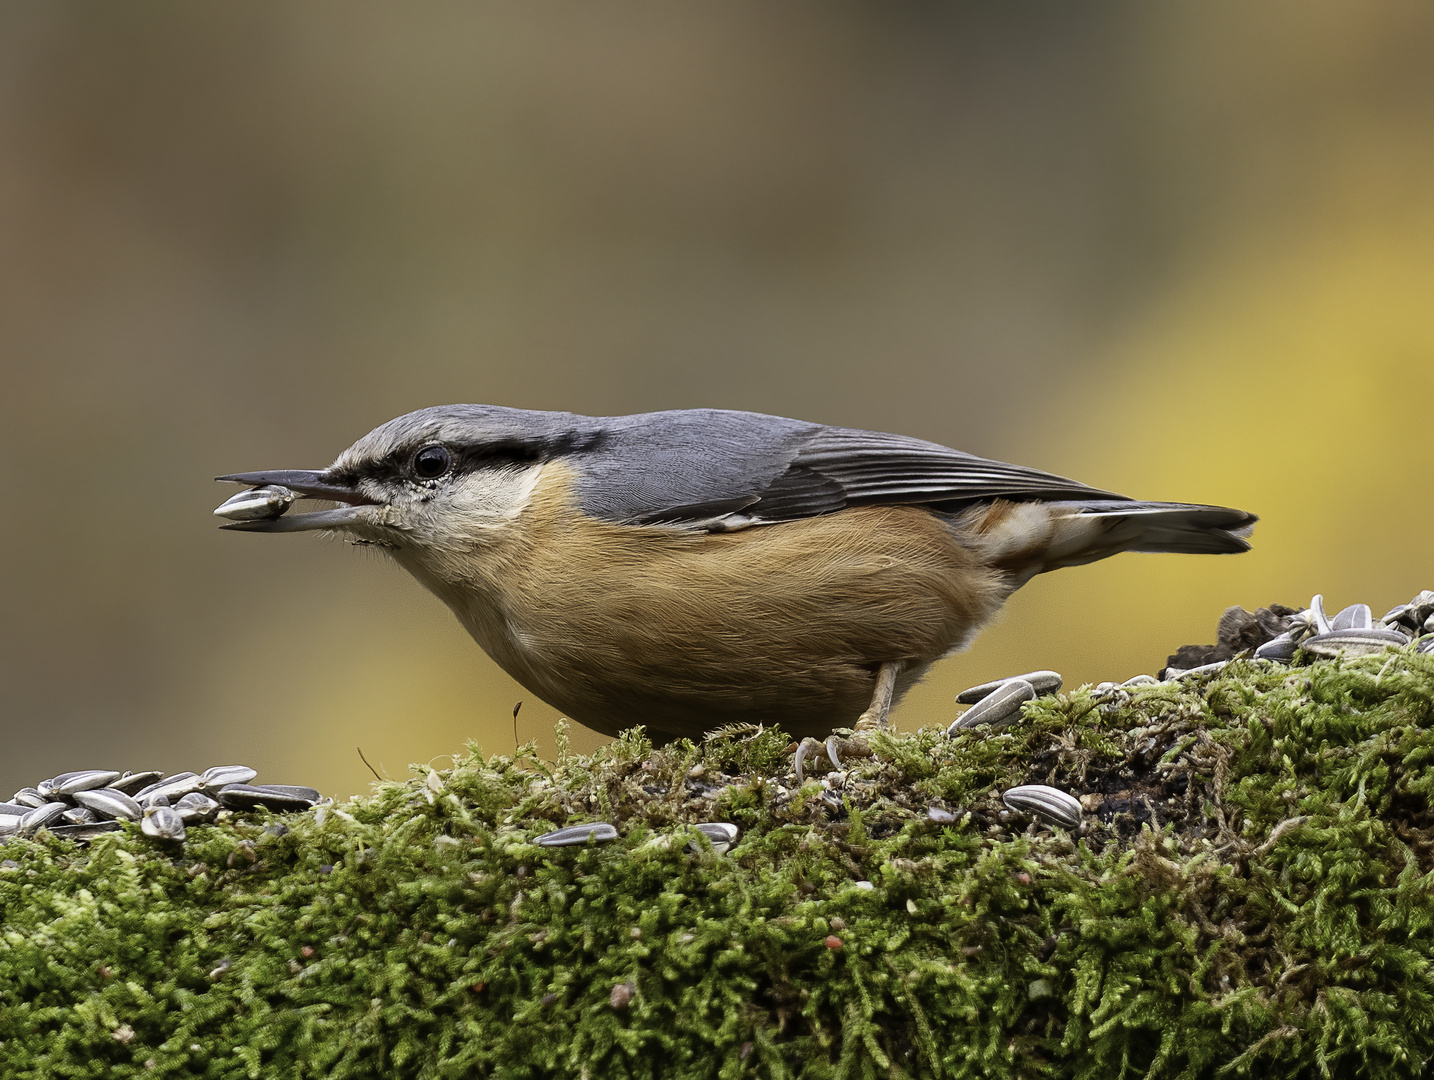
(787, 623)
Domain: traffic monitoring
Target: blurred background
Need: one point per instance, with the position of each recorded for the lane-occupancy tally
(1183, 251)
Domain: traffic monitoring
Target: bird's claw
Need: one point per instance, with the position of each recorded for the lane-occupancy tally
(835, 745)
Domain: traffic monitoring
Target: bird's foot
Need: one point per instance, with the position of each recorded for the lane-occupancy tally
(837, 746)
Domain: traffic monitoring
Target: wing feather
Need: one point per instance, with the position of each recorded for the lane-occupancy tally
(839, 467)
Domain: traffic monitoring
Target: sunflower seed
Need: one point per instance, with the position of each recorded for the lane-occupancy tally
(171, 787)
(998, 708)
(162, 823)
(269, 501)
(1043, 682)
(41, 816)
(221, 775)
(1352, 642)
(84, 832)
(1427, 645)
(291, 791)
(1321, 620)
(1195, 672)
(110, 803)
(577, 834)
(47, 787)
(1402, 614)
(1354, 617)
(1141, 680)
(1047, 803)
(721, 834)
(196, 808)
(79, 815)
(1281, 647)
(271, 796)
(84, 780)
(130, 783)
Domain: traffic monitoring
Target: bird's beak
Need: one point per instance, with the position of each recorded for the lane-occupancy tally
(314, 485)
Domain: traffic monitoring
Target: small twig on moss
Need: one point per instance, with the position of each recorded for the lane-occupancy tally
(366, 762)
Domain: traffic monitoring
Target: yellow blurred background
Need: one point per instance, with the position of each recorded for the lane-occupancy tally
(1183, 251)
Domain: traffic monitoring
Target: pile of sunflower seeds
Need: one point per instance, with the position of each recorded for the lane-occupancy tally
(1280, 635)
(89, 802)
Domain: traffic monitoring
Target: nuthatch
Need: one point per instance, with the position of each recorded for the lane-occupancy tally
(688, 569)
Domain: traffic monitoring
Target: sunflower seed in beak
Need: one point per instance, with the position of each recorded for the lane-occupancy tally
(257, 504)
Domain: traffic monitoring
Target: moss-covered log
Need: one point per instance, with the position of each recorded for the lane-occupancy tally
(1250, 896)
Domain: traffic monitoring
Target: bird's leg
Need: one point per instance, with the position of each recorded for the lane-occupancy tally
(874, 719)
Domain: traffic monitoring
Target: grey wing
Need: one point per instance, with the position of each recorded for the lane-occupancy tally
(841, 467)
(720, 469)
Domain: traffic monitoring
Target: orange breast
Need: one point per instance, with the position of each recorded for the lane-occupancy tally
(787, 623)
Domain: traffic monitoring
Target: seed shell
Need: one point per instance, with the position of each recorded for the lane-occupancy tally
(1195, 672)
(721, 834)
(220, 775)
(162, 823)
(171, 787)
(41, 816)
(998, 708)
(597, 831)
(84, 832)
(1047, 803)
(110, 803)
(1352, 642)
(1044, 682)
(272, 796)
(1354, 617)
(130, 783)
(256, 504)
(1281, 647)
(85, 780)
(196, 808)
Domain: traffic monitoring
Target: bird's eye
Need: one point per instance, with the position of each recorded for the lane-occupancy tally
(432, 462)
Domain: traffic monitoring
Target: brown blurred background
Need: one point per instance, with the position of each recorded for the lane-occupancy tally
(1184, 251)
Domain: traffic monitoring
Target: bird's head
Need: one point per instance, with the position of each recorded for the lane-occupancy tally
(427, 483)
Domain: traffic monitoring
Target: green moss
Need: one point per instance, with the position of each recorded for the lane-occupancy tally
(1251, 898)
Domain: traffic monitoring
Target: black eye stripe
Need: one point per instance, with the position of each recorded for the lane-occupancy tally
(400, 465)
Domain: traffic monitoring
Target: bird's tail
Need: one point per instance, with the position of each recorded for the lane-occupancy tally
(1029, 538)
